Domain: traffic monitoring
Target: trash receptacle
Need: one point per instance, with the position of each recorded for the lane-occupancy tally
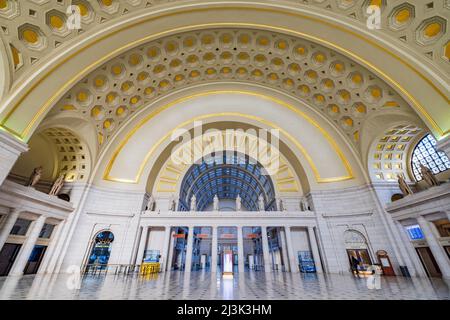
(404, 271)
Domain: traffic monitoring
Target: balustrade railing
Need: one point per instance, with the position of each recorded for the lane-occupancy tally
(103, 269)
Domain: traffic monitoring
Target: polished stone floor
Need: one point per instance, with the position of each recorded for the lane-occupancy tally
(197, 285)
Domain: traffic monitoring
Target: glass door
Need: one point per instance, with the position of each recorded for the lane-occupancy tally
(35, 259)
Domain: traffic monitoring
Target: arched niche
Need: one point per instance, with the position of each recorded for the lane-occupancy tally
(42, 152)
(59, 151)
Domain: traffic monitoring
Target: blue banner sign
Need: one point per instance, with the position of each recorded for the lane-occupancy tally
(306, 262)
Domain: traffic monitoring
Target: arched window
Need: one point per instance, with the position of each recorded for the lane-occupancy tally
(227, 175)
(101, 249)
(425, 153)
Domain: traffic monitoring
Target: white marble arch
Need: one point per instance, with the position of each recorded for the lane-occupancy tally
(168, 173)
(30, 101)
(130, 157)
(5, 80)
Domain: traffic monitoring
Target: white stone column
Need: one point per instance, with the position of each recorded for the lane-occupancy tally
(190, 247)
(214, 250)
(51, 267)
(292, 257)
(438, 251)
(416, 265)
(171, 248)
(165, 251)
(266, 251)
(142, 245)
(284, 251)
(315, 249)
(240, 239)
(8, 225)
(27, 247)
(10, 150)
(55, 238)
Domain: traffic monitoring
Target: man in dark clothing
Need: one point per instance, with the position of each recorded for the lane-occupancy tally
(355, 264)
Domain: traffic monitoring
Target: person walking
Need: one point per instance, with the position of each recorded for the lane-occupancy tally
(355, 264)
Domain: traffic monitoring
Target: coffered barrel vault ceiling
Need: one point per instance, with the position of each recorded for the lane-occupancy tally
(343, 91)
(32, 29)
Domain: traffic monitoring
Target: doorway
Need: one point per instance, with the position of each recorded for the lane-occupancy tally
(101, 250)
(362, 255)
(253, 250)
(428, 262)
(7, 257)
(276, 238)
(177, 255)
(227, 243)
(35, 260)
(201, 252)
(357, 248)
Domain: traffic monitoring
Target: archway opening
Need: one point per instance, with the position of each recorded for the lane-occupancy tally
(101, 249)
(227, 175)
(357, 251)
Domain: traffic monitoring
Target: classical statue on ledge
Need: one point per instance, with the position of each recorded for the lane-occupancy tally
(216, 203)
(151, 203)
(428, 176)
(404, 187)
(261, 205)
(35, 176)
(280, 205)
(193, 203)
(57, 185)
(238, 203)
(172, 203)
(304, 204)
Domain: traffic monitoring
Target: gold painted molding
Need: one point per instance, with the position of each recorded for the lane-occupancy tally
(23, 135)
(107, 174)
(172, 173)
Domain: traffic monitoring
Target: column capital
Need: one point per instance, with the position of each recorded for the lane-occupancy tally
(16, 211)
(421, 219)
(41, 217)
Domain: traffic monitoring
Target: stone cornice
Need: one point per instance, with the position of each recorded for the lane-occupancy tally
(30, 200)
(432, 195)
(11, 143)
